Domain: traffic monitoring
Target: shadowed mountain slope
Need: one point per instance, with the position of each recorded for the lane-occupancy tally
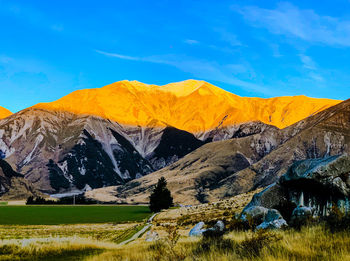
(60, 151)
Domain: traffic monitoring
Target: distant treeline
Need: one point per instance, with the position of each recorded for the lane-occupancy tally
(79, 200)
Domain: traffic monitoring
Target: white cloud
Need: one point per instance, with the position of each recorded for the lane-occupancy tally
(307, 25)
(198, 68)
(124, 57)
(191, 41)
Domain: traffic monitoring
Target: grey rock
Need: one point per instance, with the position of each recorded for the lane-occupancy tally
(301, 214)
(152, 236)
(216, 231)
(197, 230)
(272, 214)
(257, 213)
(274, 224)
(312, 182)
(273, 220)
(331, 172)
(269, 197)
(219, 226)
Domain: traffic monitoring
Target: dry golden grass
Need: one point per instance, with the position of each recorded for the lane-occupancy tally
(70, 248)
(95, 242)
(313, 243)
(61, 242)
(102, 232)
(223, 209)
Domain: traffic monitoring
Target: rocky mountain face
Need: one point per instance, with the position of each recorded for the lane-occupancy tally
(125, 131)
(230, 167)
(61, 151)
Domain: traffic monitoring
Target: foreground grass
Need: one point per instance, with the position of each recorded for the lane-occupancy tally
(54, 215)
(54, 249)
(313, 243)
(62, 242)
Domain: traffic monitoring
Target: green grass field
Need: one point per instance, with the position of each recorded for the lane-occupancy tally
(55, 215)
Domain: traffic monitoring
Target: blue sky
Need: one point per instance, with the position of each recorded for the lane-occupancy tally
(251, 48)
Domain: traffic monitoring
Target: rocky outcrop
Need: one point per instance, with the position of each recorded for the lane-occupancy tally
(256, 213)
(313, 185)
(273, 220)
(152, 236)
(197, 230)
(301, 215)
(216, 231)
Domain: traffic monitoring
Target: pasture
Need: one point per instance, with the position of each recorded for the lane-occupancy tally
(56, 215)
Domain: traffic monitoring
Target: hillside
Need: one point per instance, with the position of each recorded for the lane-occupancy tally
(226, 168)
(61, 151)
(193, 106)
(124, 131)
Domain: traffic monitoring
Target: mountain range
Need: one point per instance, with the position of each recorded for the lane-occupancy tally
(207, 142)
(226, 168)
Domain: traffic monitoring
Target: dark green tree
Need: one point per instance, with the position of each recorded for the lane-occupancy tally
(161, 197)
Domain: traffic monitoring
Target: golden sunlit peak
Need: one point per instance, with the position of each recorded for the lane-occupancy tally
(4, 113)
(179, 89)
(183, 88)
(189, 105)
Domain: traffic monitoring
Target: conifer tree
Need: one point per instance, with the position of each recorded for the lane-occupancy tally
(161, 197)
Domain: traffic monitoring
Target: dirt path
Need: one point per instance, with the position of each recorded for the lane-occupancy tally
(138, 234)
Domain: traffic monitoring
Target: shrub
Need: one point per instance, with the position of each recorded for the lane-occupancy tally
(207, 245)
(78, 199)
(337, 220)
(237, 224)
(253, 245)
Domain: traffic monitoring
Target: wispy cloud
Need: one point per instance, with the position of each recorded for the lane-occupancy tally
(307, 61)
(287, 19)
(311, 68)
(120, 56)
(198, 68)
(191, 41)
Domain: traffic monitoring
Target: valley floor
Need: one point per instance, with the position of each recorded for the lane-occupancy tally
(101, 243)
(94, 242)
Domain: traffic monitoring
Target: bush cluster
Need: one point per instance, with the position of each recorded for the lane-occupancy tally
(337, 220)
(79, 199)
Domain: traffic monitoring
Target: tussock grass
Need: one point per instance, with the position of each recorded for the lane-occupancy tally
(311, 243)
(69, 242)
(51, 248)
